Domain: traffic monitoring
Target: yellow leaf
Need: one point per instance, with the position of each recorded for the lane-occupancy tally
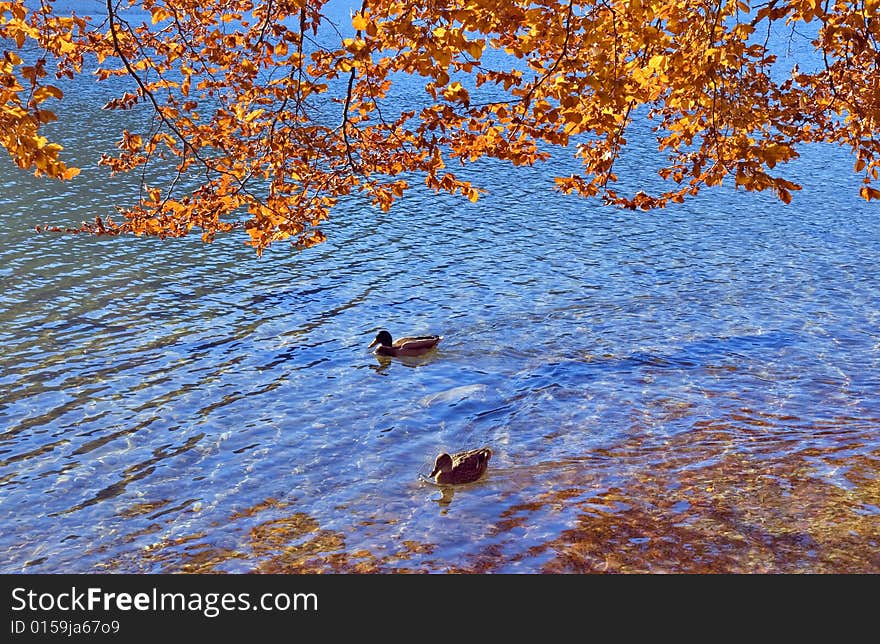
(656, 63)
(455, 92)
(44, 92)
(360, 21)
(354, 44)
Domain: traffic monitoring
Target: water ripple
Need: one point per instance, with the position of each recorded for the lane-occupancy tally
(173, 406)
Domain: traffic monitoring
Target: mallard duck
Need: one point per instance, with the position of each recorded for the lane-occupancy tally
(410, 346)
(462, 467)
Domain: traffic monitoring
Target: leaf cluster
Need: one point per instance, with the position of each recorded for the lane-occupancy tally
(270, 113)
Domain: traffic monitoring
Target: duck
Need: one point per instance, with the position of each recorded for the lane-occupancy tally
(408, 346)
(461, 467)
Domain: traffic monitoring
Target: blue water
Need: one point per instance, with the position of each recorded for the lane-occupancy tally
(692, 389)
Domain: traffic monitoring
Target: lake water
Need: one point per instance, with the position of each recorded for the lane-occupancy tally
(694, 389)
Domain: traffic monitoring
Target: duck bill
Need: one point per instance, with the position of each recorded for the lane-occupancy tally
(373, 343)
(433, 472)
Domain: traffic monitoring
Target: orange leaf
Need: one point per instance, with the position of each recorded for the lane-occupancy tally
(868, 193)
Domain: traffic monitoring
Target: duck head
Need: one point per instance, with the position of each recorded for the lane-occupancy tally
(383, 338)
(442, 463)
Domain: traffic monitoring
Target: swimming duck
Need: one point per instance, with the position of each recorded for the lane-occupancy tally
(462, 467)
(409, 346)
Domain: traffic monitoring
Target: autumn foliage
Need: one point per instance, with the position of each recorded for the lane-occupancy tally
(269, 113)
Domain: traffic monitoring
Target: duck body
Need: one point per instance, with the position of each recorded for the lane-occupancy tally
(461, 467)
(408, 346)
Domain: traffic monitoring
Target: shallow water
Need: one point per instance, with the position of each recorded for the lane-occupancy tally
(694, 389)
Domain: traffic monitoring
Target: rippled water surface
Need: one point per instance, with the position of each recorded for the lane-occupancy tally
(694, 389)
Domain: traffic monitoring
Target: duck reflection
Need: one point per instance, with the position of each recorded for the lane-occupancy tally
(384, 362)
